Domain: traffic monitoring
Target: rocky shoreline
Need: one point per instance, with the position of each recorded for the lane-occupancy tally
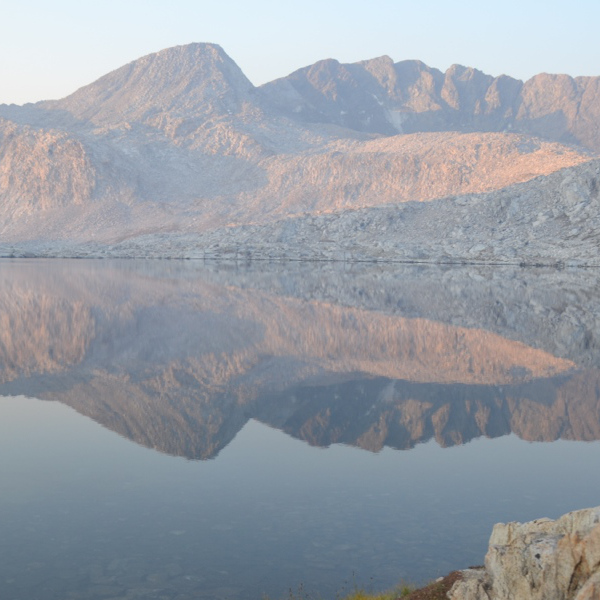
(539, 560)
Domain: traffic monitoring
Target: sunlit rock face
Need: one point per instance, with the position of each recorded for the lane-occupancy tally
(177, 154)
(539, 560)
(178, 357)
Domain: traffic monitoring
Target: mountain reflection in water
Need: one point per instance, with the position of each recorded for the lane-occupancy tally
(197, 360)
(179, 356)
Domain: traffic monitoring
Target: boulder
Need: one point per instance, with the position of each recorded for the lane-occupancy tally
(540, 560)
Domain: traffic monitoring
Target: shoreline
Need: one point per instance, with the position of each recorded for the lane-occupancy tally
(459, 262)
(537, 560)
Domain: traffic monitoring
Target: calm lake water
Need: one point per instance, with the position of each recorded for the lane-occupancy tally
(182, 430)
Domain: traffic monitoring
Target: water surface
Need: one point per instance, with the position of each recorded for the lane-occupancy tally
(181, 430)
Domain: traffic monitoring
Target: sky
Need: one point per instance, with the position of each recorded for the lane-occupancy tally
(48, 49)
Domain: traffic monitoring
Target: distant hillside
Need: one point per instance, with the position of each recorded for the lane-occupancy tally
(180, 143)
(381, 96)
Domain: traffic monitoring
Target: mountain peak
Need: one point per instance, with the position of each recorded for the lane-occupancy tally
(384, 60)
(194, 47)
(190, 79)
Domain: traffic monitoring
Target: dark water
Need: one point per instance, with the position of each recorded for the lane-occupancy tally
(179, 430)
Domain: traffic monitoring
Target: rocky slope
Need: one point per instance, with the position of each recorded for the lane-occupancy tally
(185, 82)
(549, 221)
(180, 143)
(539, 560)
(552, 220)
(381, 96)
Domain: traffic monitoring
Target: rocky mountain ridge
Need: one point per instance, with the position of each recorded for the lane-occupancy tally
(180, 142)
(381, 96)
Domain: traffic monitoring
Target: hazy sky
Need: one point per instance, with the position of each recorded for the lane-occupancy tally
(49, 48)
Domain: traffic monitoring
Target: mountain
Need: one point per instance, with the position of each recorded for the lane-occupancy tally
(406, 97)
(554, 220)
(186, 82)
(178, 154)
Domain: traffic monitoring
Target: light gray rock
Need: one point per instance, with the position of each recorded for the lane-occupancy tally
(539, 560)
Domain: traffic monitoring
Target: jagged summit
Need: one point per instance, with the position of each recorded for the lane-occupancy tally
(182, 81)
(380, 96)
(198, 82)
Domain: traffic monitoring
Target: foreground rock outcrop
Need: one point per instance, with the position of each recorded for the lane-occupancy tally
(540, 560)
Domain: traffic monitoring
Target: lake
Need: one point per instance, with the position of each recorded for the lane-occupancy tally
(180, 429)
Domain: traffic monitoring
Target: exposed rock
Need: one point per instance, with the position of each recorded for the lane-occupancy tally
(540, 560)
(180, 143)
(380, 96)
(550, 221)
(41, 169)
(185, 81)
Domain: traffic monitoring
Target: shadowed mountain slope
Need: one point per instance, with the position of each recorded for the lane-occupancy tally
(381, 96)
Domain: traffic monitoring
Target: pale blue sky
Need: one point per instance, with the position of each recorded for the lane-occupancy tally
(50, 48)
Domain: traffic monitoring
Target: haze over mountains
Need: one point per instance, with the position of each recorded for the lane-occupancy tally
(178, 154)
